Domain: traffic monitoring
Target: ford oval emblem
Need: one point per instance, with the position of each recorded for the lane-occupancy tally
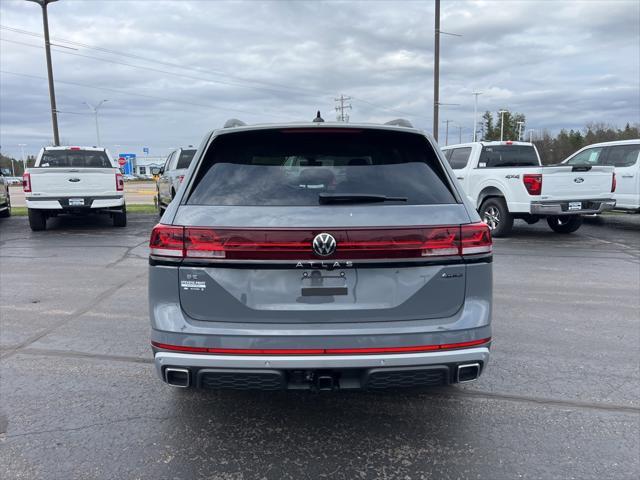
(578, 179)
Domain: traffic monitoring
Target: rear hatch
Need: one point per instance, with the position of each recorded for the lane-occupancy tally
(77, 172)
(319, 225)
(577, 182)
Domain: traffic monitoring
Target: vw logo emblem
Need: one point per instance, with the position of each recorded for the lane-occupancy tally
(578, 179)
(324, 244)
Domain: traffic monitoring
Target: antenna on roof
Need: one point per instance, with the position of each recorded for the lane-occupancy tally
(400, 122)
(318, 118)
(234, 122)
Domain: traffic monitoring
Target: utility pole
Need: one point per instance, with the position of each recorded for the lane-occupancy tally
(47, 47)
(95, 113)
(24, 160)
(341, 107)
(459, 133)
(475, 114)
(436, 71)
(502, 112)
(446, 135)
(520, 124)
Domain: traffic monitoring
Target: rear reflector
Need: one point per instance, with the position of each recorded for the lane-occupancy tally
(26, 182)
(296, 244)
(321, 351)
(533, 183)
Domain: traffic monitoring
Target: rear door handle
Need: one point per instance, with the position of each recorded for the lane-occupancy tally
(627, 176)
(460, 178)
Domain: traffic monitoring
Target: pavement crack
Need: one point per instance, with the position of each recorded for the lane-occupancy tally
(79, 312)
(84, 427)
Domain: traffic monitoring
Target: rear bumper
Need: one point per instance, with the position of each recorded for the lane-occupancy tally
(589, 207)
(275, 372)
(62, 203)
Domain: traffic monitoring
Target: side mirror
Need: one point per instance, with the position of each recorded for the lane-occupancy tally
(156, 171)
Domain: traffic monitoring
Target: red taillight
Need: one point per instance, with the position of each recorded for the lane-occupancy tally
(167, 241)
(533, 183)
(296, 244)
(26, 182)
(74, 148)
(508, 142)
(119, 182)
(475, 238)
(613, 183)
(322, 351)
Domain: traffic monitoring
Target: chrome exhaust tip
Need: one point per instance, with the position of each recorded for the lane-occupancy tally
(177, 377)
(468, 372)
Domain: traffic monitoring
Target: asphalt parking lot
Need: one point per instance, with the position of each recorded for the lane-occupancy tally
(80, 399)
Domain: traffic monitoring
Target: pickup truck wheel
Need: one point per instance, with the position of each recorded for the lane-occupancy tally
(494, 212)
(568, 224)
(6, 213)
(120, 218)
(37, 220)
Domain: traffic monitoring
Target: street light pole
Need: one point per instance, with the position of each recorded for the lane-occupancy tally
(47, 47)
(502, 112)
(436, 71)
(475, 114)
(531, 130)
(95, 113)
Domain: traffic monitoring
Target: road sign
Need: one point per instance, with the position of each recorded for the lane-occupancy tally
(145, 150)
(122, 161)
(129, 163)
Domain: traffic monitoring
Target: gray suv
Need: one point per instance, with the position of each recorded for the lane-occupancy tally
(320, 256)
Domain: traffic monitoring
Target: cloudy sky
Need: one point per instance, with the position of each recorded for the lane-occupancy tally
(172, 70)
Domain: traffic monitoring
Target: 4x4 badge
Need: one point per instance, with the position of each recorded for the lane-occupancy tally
(324, 244)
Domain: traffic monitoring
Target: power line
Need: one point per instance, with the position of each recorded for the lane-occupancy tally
(141, 67)
(124, 92)
(270, 85)
(341, 107)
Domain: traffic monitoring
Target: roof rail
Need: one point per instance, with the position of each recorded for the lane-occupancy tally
(234, 122)
(400, 122)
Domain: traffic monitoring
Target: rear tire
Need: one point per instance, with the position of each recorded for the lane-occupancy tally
(6, 213)
(565, 224)
(495, 214)
(120, 218)
(37, 220)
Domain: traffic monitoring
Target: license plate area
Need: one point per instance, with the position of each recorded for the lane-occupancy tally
(575, 206)
(76, 202)
(317, 284)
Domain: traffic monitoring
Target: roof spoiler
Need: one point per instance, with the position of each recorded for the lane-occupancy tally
(400, 122)
(234, 122)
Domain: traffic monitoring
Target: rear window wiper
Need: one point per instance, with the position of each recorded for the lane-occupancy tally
(325, 198)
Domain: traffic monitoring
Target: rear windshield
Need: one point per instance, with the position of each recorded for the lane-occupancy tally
(185, 158)
(508, 156)
(75, 158)
(293, 167)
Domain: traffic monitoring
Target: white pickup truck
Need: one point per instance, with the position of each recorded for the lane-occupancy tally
(506, 180)
(75, 180)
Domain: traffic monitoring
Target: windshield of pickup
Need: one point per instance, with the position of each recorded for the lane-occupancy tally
(302, 166)
(494, 156)
(74, 159)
